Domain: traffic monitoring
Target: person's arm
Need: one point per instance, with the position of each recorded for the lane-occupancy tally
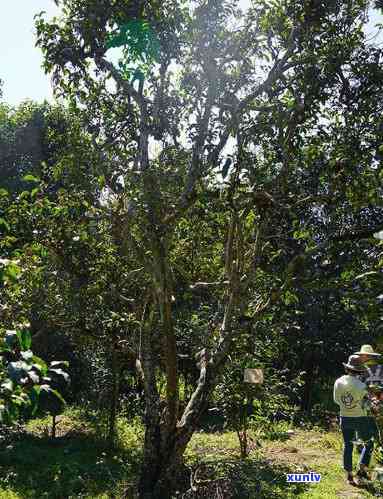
(336, 394)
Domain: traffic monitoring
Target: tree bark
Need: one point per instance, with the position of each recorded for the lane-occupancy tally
(308, 384)
(167, 468)
(151, 463)
(114, 396)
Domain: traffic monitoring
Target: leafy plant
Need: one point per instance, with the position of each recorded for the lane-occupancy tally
(27, 381)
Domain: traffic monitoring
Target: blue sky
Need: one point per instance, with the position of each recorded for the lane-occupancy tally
(20, 60)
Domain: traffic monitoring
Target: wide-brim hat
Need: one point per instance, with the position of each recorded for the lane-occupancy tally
(368, 350)
(354, 364)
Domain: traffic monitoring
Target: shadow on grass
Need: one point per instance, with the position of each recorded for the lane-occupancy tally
(79, 465)
(374, 488)
(244, 479)
(70, 466)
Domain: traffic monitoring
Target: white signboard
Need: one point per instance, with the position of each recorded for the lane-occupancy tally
(254, 376)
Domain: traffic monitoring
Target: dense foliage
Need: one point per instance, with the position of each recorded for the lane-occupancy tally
(206, 204)
(27, 382)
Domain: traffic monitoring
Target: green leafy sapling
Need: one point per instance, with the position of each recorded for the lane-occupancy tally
(26, 380)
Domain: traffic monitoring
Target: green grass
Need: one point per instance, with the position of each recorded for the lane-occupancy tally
(78, 464)
(331, 483)
(36, 467)
(263, 475)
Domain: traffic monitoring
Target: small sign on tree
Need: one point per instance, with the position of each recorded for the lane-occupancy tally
(253, 376)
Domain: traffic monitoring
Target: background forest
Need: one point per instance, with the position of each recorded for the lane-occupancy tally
(201, 198)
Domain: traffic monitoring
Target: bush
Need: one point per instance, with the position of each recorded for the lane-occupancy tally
(27, 382)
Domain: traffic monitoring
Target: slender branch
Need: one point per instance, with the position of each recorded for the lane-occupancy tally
(205, 285)
(124, 84)
(125, 299)
(280, 66)
(356, 235)
(195, 163)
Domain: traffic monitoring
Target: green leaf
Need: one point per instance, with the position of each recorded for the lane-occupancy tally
(51, 400)
(2, 413)
(11, 272)
(34, 395)
(18, 371)
(25, 339)
(5, 224)
(58, 363)
(34, 377)
(31, 178)
(290, 298)
(40, 365)
(57, 394)
(61, 373)
(7, 385)
(101, 181)
(34, 192)
(27, 355)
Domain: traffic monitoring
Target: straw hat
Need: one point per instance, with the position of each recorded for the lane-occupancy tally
(367, 350)
(354, 363)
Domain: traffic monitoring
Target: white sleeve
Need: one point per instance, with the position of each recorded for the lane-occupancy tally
(336, 394)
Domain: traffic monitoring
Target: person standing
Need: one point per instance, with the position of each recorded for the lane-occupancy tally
(373, 377)
(374, 369)
(350, 393)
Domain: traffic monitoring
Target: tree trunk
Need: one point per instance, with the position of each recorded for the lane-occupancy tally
(54, 422)
(169, 475)
(114, 396)
(308, 384)
(164, 471)
(151, 461)
(166, 439)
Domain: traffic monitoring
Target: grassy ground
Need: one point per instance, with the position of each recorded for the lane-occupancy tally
(77, 464)
(263, 474)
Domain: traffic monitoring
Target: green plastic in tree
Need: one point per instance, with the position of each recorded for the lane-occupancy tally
(140, 48)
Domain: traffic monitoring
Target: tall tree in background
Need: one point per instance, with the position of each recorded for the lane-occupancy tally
(200, 92)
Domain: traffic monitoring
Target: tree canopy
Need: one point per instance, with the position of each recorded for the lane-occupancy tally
(213, 185)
